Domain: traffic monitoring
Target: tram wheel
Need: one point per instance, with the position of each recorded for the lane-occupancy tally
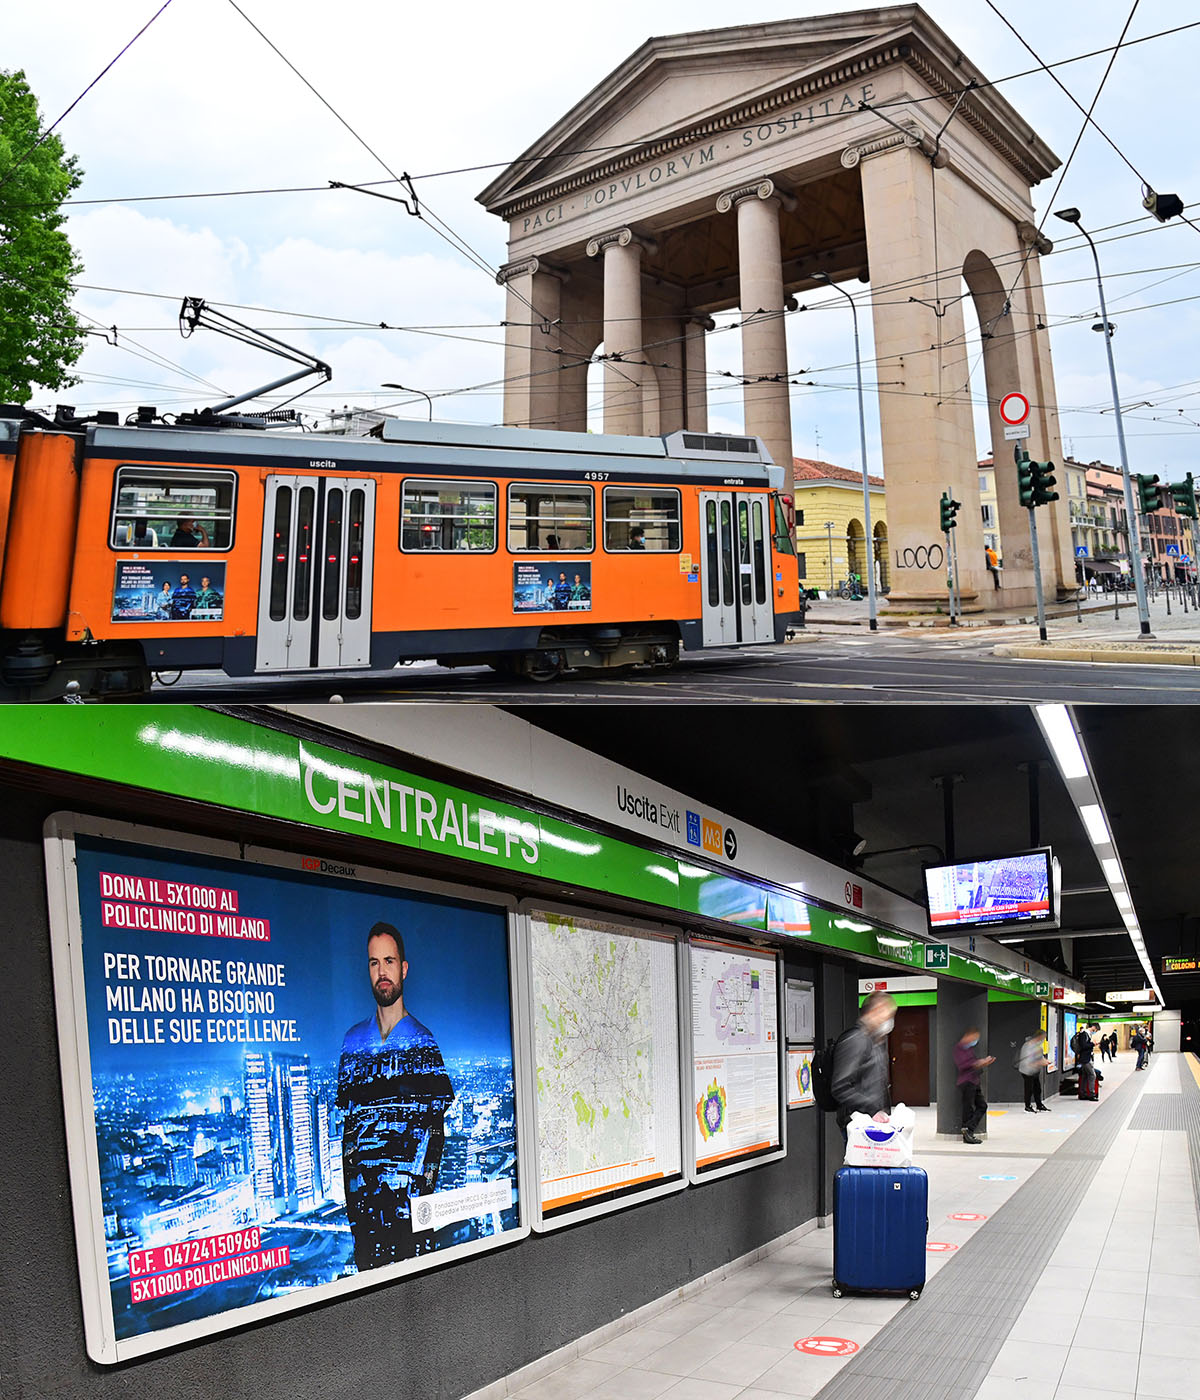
(544, 666)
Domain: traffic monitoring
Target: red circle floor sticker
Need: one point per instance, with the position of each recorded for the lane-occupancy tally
(966, 1215)
(827, 1346)
(939, 1247)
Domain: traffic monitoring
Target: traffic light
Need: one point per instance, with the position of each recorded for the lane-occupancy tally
(947, 511)
(1025, 481)
(1147, 494)
(1183, 494)
(1043, 482)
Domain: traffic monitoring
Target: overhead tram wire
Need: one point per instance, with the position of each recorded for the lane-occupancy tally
(12, 170)
(426, 215)
(624, 146)
(1146, 184)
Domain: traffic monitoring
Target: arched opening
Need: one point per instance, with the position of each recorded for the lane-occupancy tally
(856, 549)
(882, 577)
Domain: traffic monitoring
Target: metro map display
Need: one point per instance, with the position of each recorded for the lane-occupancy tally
(735, 1050)
(606, 1047)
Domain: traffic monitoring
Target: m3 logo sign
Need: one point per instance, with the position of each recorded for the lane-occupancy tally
(718, 839)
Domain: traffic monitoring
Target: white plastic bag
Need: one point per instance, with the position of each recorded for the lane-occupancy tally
(887, 1143)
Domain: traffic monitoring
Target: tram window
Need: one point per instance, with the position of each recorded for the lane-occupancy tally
(331, 606)
(652, 515)
(354, 553)
(783, 536)
(744, 549)
(280, 547)
(710, 535)
(448, 515)
(302, 583)
(557, 518)
(726, 555)
(760, 554)
(172, 508)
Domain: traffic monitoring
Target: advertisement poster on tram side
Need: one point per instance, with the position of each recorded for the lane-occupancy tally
(556, 586)
(294, 1084)
(736, 1065)
(168, 590)
(605, 1011)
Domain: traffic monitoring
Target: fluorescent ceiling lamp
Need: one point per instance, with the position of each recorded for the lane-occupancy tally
(1122, 900)
(1060, 735)
(1097, 827)
(1112, 870)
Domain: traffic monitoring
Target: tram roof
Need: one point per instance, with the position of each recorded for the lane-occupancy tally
(458, 448)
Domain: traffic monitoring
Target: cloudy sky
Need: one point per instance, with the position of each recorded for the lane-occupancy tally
(200, 103)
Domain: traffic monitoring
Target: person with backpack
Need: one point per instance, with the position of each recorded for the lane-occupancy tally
(860, 1081)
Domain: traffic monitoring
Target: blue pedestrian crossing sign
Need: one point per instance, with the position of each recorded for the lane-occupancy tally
(1081, 551)
(1173, 549)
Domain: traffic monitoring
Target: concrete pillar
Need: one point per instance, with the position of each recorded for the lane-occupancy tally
(623, 330)
(695, 363)
(959, 1006)
(764, 336)
(927, 429)
(531, 367)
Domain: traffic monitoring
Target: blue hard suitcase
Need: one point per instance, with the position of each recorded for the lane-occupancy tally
(880, 1222)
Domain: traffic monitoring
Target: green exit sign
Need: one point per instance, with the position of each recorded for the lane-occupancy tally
(937, 955)
(1041, 989)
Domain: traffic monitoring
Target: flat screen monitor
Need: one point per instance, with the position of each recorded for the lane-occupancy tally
(1070, 1026)
(1003, 890)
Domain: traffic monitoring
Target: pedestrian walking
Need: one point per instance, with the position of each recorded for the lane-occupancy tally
(970, 1067)
(1139, 1044)
(860, 1062)
(993, 564)
(1105, 1048)
(1031, 1062)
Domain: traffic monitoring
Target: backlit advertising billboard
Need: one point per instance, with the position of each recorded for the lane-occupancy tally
(284, 1078)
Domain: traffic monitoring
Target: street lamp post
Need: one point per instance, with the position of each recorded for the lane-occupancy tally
(1073, 216)
(405, 389)
(862, 436)
(829, 524)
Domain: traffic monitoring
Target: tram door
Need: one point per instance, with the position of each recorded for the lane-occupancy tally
(735, 571)
(314, 600)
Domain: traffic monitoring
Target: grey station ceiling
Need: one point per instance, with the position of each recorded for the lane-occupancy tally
(826, 777)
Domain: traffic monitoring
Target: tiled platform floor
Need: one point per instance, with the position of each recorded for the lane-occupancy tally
(1116, 1312)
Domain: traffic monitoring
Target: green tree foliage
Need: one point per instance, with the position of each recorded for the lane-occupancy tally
(40, 338)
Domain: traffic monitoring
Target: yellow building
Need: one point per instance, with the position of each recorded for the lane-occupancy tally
(830, 539)
(1072, 486)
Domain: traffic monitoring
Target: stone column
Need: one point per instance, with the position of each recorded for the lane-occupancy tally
(695, 372)
(623, 335)
(531, 366)
(927, 430)
(764, 336)
(1054, 521)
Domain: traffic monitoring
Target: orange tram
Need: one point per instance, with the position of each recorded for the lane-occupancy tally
(143, 548)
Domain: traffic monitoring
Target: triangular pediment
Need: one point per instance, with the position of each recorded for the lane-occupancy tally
(677, 85)
(680, 80)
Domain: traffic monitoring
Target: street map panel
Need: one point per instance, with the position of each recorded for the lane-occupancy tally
(735, 1047)
(606, 1039)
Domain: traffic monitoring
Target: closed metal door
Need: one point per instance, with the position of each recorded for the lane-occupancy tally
(314, 607)
(735, 569)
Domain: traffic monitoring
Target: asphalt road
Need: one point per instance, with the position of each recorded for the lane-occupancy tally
(883, 669)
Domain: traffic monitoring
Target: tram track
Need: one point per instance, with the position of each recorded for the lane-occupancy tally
(814, 673)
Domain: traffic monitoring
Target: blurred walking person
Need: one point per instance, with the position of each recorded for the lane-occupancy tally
(1031, 1062)
(974, 1105)
(860, 1062)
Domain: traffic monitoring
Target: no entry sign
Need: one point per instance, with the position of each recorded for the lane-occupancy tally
(827, 1346)
(1014, 409)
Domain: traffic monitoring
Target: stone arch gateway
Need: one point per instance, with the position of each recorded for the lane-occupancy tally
(727, 169)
